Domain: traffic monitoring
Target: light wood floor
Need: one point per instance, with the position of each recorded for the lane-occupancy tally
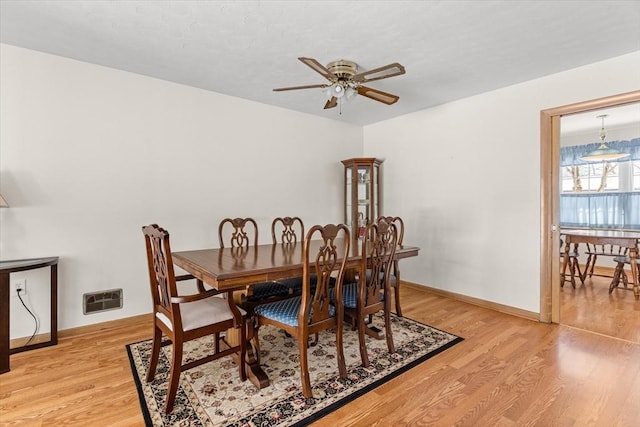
(589, 306)
(508, 372)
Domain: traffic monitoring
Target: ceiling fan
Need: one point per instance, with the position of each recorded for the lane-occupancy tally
(345, 82)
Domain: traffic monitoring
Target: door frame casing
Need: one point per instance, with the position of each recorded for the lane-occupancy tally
(550, 196)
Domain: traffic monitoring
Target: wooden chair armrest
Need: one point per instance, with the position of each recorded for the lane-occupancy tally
(195, 297)
(199, 283)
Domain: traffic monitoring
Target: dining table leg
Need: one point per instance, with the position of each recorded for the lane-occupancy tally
(255, 374)
(633, 257)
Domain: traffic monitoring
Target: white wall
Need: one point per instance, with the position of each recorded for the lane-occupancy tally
(465, 176)
(89, 154)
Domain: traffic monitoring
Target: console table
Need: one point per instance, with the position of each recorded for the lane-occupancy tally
(6, 268)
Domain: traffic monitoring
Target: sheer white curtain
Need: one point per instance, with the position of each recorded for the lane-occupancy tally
(600, 210)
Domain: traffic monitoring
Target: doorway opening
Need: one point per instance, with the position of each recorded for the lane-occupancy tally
(550, 196)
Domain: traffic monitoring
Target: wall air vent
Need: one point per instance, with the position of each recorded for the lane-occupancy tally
(96, 302)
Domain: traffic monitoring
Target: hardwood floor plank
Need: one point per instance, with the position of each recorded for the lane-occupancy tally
(84, 380)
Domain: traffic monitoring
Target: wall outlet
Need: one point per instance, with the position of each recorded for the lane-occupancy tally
(22, 285)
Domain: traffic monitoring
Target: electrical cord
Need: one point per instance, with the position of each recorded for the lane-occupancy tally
(32, 315)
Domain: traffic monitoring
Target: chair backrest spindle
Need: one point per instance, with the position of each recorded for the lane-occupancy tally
(328, 258)
(240, 233)
(289, 229)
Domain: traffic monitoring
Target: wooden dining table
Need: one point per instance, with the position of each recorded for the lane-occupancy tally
(238, 269)
(625, 239)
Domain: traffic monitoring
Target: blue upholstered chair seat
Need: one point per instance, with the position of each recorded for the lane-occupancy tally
(392, 278)
(266, 290)
(295, 284)
(285, 311)
(350, 295)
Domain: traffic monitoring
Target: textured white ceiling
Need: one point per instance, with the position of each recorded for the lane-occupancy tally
(451, 49)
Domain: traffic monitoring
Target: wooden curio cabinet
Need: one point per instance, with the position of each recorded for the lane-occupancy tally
(362, 193)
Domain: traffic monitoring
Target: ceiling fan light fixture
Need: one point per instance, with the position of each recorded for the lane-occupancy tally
(345, 82)
(603, 152)
(350, 93)
(337, 90)
(328, 92)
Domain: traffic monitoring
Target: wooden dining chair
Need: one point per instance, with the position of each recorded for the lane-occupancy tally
(240, 234)
(395, 273)
(372, 290)
(619, 273)
(183, 318)
(312, 311)
(572, 263)
(289, 232)
(604, 251)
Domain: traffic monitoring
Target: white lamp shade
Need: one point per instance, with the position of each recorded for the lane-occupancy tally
(328, 92)
(337, 90)
(350, 93)
(603, 153)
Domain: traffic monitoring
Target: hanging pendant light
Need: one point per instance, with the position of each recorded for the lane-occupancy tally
(603, 152)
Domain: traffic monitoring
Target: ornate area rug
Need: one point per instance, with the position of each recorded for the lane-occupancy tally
(213, 395)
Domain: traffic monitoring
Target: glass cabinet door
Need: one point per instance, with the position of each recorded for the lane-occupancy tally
(361, 194)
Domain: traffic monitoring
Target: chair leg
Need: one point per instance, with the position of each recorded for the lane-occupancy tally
(315, 340)
(155, 354)
(587, 265)
(342, 366)
(593, 264)
(387, 326)
(396, 289)
(303, 342)
(625, 278)
(572, 271)
(361, 339)
(580, 275)
(616, 278)
(174, 376)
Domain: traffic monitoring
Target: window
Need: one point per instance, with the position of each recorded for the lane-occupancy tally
(591, 177)
(602, 194)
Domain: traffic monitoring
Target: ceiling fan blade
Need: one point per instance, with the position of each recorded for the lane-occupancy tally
(280, 89)
(318, 68)
(379, 73)
(378, 95)
(331, 103)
